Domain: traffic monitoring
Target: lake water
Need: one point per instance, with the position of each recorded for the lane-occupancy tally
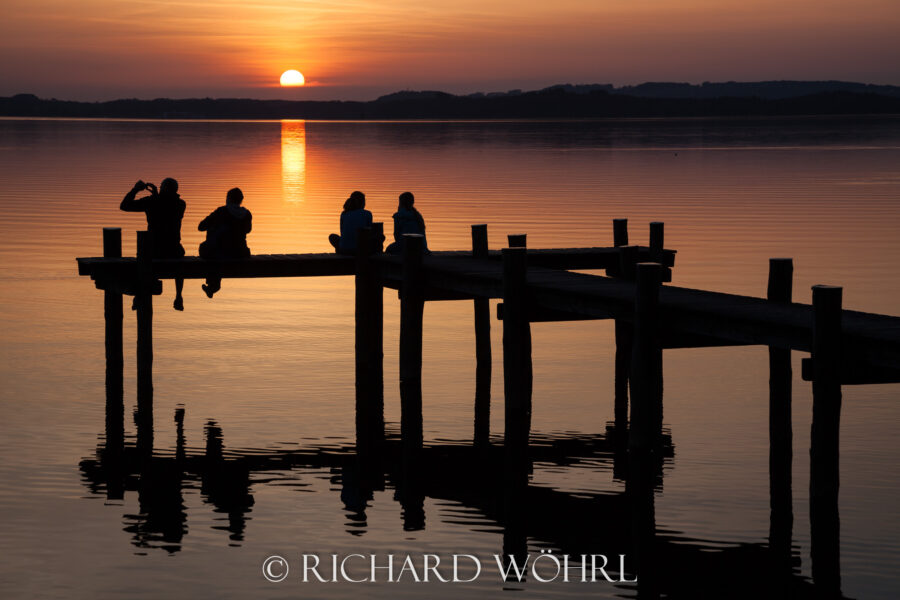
(266, 368)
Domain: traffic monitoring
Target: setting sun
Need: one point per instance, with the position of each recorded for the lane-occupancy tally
(292, 78)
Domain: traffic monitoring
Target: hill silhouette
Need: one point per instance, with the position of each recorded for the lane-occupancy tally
(768, 98)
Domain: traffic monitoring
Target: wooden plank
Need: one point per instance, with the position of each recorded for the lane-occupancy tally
(330, 264)
(671, 340)
(855, 373)
(536, 314)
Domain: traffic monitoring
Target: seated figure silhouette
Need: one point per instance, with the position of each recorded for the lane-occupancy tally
(406, 220)
(164, 209)
(226, 235)
(353, 218)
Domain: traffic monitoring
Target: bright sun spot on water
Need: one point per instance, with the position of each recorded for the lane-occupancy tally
(292, 78)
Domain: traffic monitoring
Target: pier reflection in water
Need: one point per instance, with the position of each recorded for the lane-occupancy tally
(489, 479)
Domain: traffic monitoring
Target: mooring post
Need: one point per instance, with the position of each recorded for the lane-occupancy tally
(623, 366)
(781, 517)
(620, 232)
(412, 305)
(482, 348)
(628, 258)
(112, 313)
(646, 363)
(517, 240)
(517, 384)
(645, 433)
(657, 240)
(144, 307)
(620, 239)
(517, 368)
(824, 481)
(369, 312)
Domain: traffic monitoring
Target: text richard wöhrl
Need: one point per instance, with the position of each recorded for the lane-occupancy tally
(545, 567)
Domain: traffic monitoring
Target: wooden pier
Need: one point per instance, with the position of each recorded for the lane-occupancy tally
(846, 347)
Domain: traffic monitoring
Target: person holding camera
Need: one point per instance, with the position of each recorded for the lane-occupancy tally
(165, 210)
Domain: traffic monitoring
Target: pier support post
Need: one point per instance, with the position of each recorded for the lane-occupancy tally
(646, 362)
(517, 240)
(517, 368)
(517, 387)
(483, 364)
(622, 367)
(781, 517)
(628, 258)
(620, 232)
(645, 433)
(144, 307)
(412, 305)
(824, 481)
(657, 240)
(114, 447)
(369, 311)
(112, 312)
(620, 240)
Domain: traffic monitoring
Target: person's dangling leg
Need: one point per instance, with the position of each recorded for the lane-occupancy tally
(212, 286)
(335, 241)
(179, 300)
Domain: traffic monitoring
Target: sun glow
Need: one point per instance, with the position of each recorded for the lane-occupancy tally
(292, 78)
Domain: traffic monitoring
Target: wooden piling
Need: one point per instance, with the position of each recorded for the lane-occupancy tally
(412, 304)
(620, 232)
(517, 367)
(622, 368)
(657, 239)
(483, 364)
(369, 313)
(824, 480)
(646, 361)
(112, 313)
(517, 240)
(144, 307)
(628, 258)
(781, 518)
(517, 386)
(645, 432)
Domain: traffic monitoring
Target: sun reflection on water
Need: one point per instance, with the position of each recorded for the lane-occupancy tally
(293, 160)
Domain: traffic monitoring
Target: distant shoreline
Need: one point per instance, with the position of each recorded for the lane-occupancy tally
(764, 99)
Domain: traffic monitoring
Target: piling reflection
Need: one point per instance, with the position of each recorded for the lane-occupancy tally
(666, 563)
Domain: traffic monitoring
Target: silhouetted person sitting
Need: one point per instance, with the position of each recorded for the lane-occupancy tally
(226, 235)
(353, 218)
(406, 220)
(164, 209)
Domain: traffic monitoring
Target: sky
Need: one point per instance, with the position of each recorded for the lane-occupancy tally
(360, 49)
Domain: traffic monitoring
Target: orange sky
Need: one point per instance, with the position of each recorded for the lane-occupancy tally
(359, 49)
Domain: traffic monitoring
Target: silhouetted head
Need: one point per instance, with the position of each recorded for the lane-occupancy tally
(356, 200)
(406, 200)
(234, 196)
(168, 186)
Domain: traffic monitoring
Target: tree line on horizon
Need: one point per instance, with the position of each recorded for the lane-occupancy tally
(770, 98)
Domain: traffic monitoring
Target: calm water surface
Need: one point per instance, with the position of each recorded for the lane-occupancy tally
(267, 367)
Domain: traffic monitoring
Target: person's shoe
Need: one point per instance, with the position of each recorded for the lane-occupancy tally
(178, 304)
(207, 290)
